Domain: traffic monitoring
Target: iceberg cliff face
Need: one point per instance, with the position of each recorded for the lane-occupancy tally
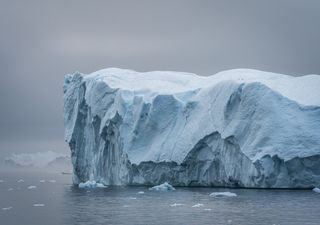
(238, 128)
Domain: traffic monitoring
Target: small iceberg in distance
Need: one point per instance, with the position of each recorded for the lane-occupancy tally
(316, 190)
(91, 184)
(223, 194)
(162, 187)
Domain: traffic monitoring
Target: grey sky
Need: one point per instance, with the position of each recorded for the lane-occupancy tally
(41, 41)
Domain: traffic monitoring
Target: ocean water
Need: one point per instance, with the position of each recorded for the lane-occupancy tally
(55, 200)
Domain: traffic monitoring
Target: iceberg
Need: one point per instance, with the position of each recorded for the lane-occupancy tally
(162, 187)
(223, 194)
(91, 184)
(237, 128)
(316, 190)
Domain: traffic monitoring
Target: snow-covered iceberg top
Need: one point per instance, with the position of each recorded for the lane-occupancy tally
(317, 190)
(162, 187)
(223, 194)
(302, 89)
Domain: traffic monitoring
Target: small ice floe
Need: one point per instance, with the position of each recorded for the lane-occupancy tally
(42, 181)
(163, 187)
(126, 206)
(140, 192)
(1, 181)
(20, 181)
(197, 205)
(223, 194)
(10, 189)
(91, 184)
(132, 198)
(229, 221)
(176, 204)
(207, 209)
(7, 208)
(32, 187)
(38, 205)
(52, 181)
(316, 190)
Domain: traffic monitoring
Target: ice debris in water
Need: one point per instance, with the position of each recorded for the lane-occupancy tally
(7, 208)
(42, 181)
(91, 184)
(317, 190)
(1, 181)
(197, 205)
(10, 189)
(52, 181)
(163, 187)
(207, 209)
(32, 187)
(223, 194)
(20, 181)
(38, 205)
(141, 192)
(176, 204)
(132, 198)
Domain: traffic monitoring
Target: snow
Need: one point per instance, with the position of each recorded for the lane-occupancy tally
(223, 194)
(317, 190)
(91, 184)
(163, 187)
(253, 117)
(38, 159)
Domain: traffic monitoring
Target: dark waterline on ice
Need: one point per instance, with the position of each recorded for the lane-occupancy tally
(57, 201)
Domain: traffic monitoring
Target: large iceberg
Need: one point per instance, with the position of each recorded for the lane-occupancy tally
(237, 128)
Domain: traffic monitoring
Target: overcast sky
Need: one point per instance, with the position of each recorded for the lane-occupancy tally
(41, 41)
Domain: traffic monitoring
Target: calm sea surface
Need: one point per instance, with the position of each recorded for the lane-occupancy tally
(54, 200)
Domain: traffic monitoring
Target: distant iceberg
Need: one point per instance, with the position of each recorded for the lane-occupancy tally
(163, 187)
(38, 159)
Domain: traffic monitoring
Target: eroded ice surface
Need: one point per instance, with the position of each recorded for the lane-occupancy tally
(244, 128)
(91, 184)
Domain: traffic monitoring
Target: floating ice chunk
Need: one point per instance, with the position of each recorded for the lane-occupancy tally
(163, 187)
(207, 209)
(229, 221)
(52, 181)
(10, 189)
(141, 192)
(7, 208)
(32, 187)
(176, 204)
(42, 181)
(317, 190)
(20, 181)
(91, 184)
(133, 198)
(197, 205)
(126, 206)
(223, 194)
(38, 205)
(1, 181)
